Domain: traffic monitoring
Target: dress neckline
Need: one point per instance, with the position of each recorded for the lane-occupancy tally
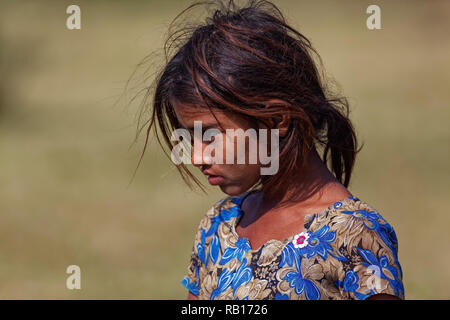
(307, 221)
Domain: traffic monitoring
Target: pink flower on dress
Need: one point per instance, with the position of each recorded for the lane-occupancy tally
(301, 240)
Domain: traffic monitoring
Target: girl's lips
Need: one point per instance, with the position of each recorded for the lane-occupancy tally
(215, 180)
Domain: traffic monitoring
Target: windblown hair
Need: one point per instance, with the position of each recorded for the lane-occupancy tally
(239, 60)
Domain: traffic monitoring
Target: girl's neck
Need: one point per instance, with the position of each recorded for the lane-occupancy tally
(316, 186)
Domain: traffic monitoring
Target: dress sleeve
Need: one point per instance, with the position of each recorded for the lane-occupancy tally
(197, 264)
(369, 245)
(192, 280)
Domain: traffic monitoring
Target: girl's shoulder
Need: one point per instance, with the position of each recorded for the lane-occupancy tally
(353, 223)
(347, 214)
(222, 212)
(226, 208)
(357, 235)
(229, 203)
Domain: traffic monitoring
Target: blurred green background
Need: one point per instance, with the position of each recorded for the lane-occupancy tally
(66, 152)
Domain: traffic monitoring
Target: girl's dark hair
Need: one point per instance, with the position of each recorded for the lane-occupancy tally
(240, 59)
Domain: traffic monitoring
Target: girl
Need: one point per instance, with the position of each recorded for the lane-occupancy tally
(298, 233)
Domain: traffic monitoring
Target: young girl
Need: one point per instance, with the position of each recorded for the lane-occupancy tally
(298, 233)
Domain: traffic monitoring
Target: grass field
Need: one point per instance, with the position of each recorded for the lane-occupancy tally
(66, 152)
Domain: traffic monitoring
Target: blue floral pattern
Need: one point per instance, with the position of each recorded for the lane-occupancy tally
(348, 251)
(319, 244)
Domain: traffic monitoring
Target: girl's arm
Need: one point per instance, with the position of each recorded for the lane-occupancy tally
(191, 296)
(383, 296)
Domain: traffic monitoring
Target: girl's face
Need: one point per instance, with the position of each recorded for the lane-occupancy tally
(232, 178)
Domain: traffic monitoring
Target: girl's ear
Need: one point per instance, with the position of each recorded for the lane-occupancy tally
(283, 125)
(282, 121)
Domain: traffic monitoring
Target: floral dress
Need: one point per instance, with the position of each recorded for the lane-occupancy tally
(348, 251)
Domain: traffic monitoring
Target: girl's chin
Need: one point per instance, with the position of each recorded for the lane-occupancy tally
(233, 190)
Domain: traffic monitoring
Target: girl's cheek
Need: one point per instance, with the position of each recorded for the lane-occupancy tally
(240, 149)
(229, 151)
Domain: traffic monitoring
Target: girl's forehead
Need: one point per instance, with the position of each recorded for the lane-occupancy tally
(187, 114)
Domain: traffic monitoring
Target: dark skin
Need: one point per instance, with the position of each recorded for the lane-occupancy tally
(264, 220)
